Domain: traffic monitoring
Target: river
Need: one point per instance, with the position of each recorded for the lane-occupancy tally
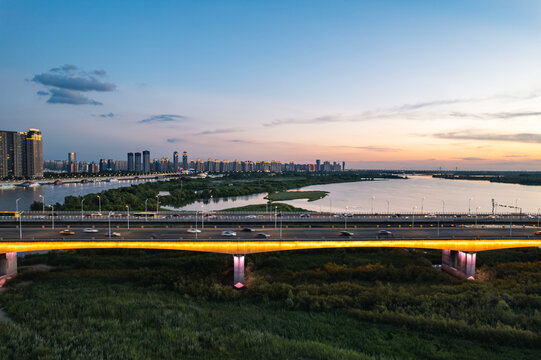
(57, 193)
(419, 193)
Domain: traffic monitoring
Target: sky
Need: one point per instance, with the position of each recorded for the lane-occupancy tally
(387, 84)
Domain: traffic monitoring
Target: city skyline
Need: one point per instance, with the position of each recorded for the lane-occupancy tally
(376, 84)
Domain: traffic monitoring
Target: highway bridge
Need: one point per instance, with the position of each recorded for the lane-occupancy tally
(459, 245)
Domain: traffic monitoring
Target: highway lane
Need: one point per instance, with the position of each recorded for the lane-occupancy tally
(274, 234)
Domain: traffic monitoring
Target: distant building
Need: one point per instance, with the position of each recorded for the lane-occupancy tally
(175, 162)
(103, 165)
(72, 163)
(146, 161)
(185, 160)
(137, 162)
(111, 166)
(318, 165)
(131, 162)
(343, 165)
(21, 154)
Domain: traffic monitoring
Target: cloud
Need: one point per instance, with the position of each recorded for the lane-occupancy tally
(369, 148)
(62, 96)
(163, 118)
(240, 141)
(172, 140)
(67, 83)
(472, 159)
(110, 115)
(426, 104)
(217, 131)
(317, 120)
(42, 93)
(521, 137)
(496, 115)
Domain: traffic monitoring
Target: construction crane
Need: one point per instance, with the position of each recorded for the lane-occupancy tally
(495, 206)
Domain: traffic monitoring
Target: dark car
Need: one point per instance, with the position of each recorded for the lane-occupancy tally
(247, 229)
(261, 236)
(384, 233)
(305, 215)
(345, 233)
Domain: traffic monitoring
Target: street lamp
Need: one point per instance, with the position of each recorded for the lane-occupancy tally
(21, 225)
(469, 205)
(127, 207)
(157, 203)
(109, 225)
(372, 205)
(538, 217)
(388, 206)
(346, 218)
(422, 205)
(43, 203)
(52, 216)
(195, 224)
(476, 214)
(281, 227)
(413, 217)
(275, 216)
(202, 217)
(99, 204)
(82, 204)
(443, 206)
(146, 209)
(17, 204)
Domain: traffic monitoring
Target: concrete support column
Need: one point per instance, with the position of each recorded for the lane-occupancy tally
(8, 263)
(238, 271)
(459, 263)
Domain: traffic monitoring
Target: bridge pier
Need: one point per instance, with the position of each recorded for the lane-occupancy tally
(8, 264)
(459, 263)
(238, 271)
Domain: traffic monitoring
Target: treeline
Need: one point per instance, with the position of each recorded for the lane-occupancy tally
(186, 190)
(523, 178)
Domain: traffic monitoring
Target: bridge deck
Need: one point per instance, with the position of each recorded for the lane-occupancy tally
(252, 246)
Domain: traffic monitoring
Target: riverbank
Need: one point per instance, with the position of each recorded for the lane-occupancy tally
(272, 207)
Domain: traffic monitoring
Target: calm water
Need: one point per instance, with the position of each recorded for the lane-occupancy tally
(56, 193)
(397, 195)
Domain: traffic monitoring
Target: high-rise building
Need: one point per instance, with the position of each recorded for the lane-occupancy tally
(185, 160)
(318, 165)
(146, 161)
(111, 166)
(131, 163)
(72, 162)
(103, 165)
(21, 154)
(343, 165)
(175, 161)
(137, 162)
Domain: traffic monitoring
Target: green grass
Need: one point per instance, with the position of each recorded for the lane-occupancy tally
(293, 195)
(333, 304)
(264, 207)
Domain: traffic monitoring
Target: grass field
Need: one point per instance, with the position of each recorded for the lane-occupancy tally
(336, 304)
(293, 195)
(263, 207)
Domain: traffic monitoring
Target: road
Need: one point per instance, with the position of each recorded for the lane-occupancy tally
(274, 234)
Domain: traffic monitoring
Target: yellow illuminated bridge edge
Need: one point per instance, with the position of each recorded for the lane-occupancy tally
(251, 247)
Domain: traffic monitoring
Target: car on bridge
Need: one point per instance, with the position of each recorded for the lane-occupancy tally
(229, 233)
(384, 234)
(538, 233)
(193, 231)
(90, 230)
(113, 234)
(251, 216)
(67, 232)
(305, 215)
(345, 233)
(261, 236)
(247, 229)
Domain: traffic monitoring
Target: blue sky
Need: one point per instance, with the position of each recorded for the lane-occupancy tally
(375, 83)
